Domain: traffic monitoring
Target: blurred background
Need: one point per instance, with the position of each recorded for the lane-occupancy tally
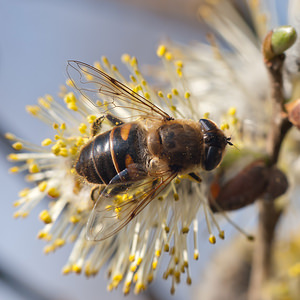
(37, 38)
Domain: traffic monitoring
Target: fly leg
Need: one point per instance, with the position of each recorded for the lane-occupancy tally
(96, 192)
(96, 126)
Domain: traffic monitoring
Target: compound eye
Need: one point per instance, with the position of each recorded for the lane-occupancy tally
(213, 156)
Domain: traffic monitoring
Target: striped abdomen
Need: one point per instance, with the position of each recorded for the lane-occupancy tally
(110, 153)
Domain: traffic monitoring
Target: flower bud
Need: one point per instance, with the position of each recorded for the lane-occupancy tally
(278, 40)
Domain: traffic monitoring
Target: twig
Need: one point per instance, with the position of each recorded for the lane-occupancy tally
(268, 213)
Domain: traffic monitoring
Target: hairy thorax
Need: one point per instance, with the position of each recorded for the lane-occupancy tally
(178, 144)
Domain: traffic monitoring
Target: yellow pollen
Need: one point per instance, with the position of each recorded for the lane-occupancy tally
(206, 115)
(169, 96)
(42, 235)
(167, 229)
(157, 253)
(82, 128)
(125, 58)
(150, 278)
(97, 65)
(118, 277)
(168, 56)
(212, 239)
(80, 141)
(42, 186)
(187, 95)
(33, 168)
(166, 248)
(133, 268)
(118, 209)
(133, 79)
(73, 150)
(72, 106)
(16, 214)
(196, 255)
(147, 95)
(45, 217)
(49, 98)
(105, 60)
(161, 50)
(224, 126)
(33, 109)
(91, 118)
(59, 242)
(175, 92)
(189, 280)
(154, 265)
(133, 62)
(12, 156)
(76, 269)
(234, 121)
(176, 196)
(63, 126)
(179, 63)
(55, 149)
(44, 103)
(114, 68)
(69, 82)
(17, 146)
(137, 72)
(53, 192)
(75, 219)
(48, 249)
(160, 94)
(131, 257)
(179, 72)
(63, 152)
(173, 108)
(9, 136)
(126, 289)
(24, 214)
(185, 230)
(144, 82)
(232, 111)
(24, 192)
(139, 287)
(66, 270)
(87, 270)
(70, 98)
(139, 261)
(17, 203)
(55, 126)
(222, 234)
(177, 276)
(46, 142)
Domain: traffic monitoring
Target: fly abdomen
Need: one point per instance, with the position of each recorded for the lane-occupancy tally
(95, 161)
(111, 153)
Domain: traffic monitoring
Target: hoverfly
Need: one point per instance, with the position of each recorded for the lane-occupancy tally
(135, 160)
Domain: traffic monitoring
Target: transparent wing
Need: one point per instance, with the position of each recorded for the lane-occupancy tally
(107, 93)
(119, 204)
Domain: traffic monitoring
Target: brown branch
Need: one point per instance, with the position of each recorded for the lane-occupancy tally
(268, 213)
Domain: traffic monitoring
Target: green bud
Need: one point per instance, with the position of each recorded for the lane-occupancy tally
(278, 40)
(283, 38)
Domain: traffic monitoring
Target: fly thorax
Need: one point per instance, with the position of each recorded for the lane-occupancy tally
(181, 145)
